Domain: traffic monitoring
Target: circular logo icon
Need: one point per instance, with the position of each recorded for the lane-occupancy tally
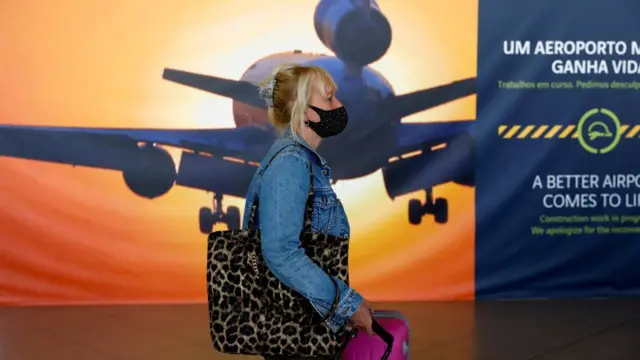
(599, 131)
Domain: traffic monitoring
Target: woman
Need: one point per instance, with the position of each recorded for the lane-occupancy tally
(302, 105)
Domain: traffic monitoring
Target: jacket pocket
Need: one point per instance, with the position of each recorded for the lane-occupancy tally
(325, 211)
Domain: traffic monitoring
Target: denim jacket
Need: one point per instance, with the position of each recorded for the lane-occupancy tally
(283, 189)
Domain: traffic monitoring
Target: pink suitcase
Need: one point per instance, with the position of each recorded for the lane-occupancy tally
(391, 341)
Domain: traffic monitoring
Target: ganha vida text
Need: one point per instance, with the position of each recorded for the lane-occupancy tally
(568, 190)
(581, 48)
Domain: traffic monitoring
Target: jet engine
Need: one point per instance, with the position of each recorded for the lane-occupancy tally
(151, 171)
(356, 31)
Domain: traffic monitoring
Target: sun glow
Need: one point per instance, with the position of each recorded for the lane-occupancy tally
(107, 73)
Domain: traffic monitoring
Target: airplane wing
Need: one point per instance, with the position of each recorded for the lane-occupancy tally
(419, 136)
(101, 148)
(399, 106)
(215, 160)
(238, 90)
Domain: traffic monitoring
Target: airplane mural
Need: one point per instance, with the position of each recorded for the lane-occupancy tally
(412, 157)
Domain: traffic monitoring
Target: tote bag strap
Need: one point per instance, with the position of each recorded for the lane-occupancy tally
(309, 205)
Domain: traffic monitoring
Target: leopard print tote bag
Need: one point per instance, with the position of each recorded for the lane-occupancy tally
(251, 312)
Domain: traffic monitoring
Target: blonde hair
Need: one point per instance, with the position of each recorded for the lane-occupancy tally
(292, 90)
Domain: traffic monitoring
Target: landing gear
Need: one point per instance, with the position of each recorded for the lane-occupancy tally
(439, 209)
(208, 217)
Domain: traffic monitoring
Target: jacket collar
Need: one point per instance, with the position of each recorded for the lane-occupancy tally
(288, 134)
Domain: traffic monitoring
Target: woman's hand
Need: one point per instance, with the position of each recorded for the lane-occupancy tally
(362, 319)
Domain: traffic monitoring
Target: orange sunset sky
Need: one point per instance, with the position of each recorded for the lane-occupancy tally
(77, 235)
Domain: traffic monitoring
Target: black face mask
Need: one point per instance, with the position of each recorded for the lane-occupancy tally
(331, 123)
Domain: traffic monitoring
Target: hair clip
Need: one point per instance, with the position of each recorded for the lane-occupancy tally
(266, 92)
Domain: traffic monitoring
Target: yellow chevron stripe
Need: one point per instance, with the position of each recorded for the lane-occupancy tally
(633, 131)
(567, 131)
(558, 131)
(512, 131)
(623, 129)
(523, 134)
(540, 131)
(553, 131)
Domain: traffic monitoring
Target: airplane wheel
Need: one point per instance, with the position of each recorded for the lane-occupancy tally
(233, 218)
(441, 213)
(415, 212)
(206, 220)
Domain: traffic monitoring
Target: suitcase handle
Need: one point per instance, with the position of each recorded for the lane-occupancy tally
(380, 331)
(385, 335)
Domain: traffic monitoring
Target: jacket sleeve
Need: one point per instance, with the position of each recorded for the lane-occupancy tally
(248, 203)
(283, 195)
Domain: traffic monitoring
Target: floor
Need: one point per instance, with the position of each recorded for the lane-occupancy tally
(522, 330)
